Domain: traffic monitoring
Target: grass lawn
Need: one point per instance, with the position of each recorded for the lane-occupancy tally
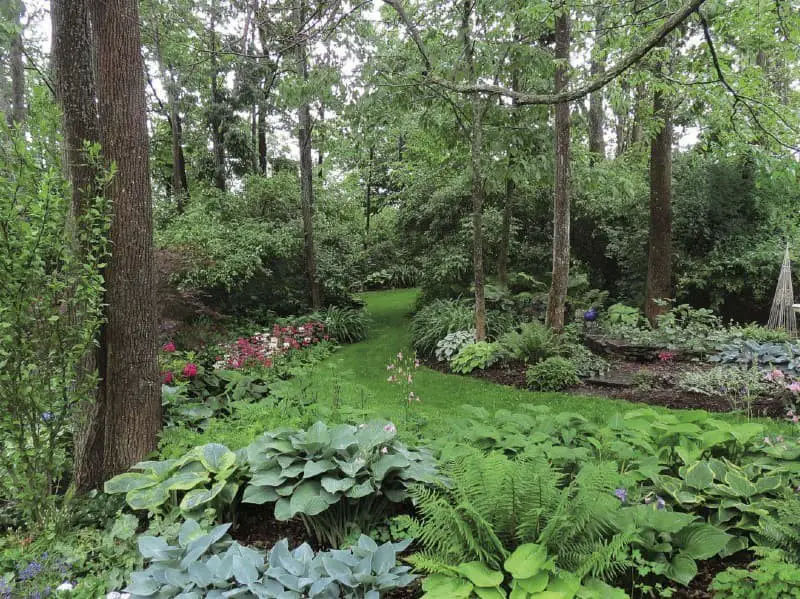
(357, 374)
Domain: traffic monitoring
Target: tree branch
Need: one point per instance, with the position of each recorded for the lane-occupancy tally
(524, 98)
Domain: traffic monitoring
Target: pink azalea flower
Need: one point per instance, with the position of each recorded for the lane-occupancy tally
(190, 370)
(169, 347)
(166, 377)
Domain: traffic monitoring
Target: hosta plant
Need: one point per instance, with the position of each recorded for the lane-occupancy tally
(207, 476)
(208, 564)
(552, 374)
(479, 355)
(448, 348)
(527, 573)
(334, 479)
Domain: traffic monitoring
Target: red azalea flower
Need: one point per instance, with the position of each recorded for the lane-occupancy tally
(166, 377)
(190, 370)
(169, 347)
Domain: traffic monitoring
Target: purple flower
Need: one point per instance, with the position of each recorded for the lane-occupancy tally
(30, 571)
(661, 504)
(621, 494)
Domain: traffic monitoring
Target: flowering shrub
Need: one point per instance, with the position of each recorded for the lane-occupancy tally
(261, 348)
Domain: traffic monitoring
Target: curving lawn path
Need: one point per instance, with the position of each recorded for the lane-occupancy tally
(357, 375)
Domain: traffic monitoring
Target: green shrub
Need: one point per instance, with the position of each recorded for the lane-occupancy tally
(552, 374)
(436, 320)
(770, 577)
(210, 564)
(586, 363)
(532, 343)
(346, 325)
(448, 348)
(738, 385)
(476, 355)
(334, 479)
(760, 334)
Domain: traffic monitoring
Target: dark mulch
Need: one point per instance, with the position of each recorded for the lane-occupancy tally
(706, 571)
(256, 525)
(617, 385)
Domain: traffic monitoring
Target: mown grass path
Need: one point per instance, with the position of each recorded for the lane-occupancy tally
(357, 375)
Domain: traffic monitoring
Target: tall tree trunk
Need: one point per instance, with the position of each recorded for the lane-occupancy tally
(505, 233)
(74, 78)
(659, 262)
(476, 148)
(215, 118)
(18, 110)
(561, 210)
(368, 196)
(637, 128)
(130, 389)
(262, 141)
(306, 168)
(597, 144)
(179, 184)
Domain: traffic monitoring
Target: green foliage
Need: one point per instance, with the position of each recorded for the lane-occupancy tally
(209, 564)
(334, 479)
(207, 476)
(532, 343)
(760, 334)
(436, 320)
(772, 576)
(345, 325)
(781, 528)
(480, 355)
(51, 301)
(620, 314)
(587, 364)
(552, 374)
(738, 385)
(448, 347)
(784, 356)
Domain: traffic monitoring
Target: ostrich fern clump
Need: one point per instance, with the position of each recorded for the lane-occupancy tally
(494, 503)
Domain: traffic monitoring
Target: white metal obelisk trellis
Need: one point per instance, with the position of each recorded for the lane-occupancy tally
(782, 314)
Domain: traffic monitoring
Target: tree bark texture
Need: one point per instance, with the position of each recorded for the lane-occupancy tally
(131, 389)
(597, 144)
(215, 120)
(306, 169)
(561, 209)
(659, 262)
(18, 107)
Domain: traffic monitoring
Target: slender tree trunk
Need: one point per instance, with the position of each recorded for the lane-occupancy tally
(215, 120)
(505, 233)
(179, 185)
(74, 79)
(597, 144)
(659, 263)
(561, 209)
(637, 128)
(306, 169)
(262, 141)
(131, 388)
(18, 109)
(368, 196)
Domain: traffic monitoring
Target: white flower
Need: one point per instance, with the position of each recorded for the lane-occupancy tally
(65, 586)
(384, 450)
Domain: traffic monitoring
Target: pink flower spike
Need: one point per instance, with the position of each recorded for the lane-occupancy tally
(400, 355)
(389, 366)
(384, 450)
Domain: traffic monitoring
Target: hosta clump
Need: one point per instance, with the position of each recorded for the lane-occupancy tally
(448, 348)
(586, 363)
(209, 564)
(552, 374)
(207, 476)
(476, 355)
(783, 356)
(334, 479)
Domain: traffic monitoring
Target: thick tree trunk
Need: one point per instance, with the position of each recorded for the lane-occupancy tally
(262, 141)
(74, 79)
(597, 144)
(306, 170)
(561, 210)
(131, 388)
(659, 263)
(18, 109)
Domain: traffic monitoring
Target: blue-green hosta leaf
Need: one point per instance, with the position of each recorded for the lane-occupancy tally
(217, 457)
(338, 571)
(306, 499)
(316, 467)
(336, 485)
(317, 437)
(526, 561)
(352, 466)
(200, 545)
(142, 584)
(200, 574)
(384, 559)
(259, 495)
(158, 468)
(477, 573)
(155, 548)
(197, 497)
(130, 481)
(293, 470)
(362, 490)
(386, 463)
(343, 436)
(373, 435)
(287, 488)
(439, 586)
(150, 498)
(189, 531)
(268, 478)
(283, 510)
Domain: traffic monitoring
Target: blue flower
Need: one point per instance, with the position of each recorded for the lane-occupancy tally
(621, 494)
(30, 571)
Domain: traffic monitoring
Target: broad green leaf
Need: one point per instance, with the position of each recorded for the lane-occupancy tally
(149, 498)
(337, 485)
(535, 584)
(129, 481)
(480, 574)
(183, 481)
(698, 475)
(314, 468)
(306, 499)
(439, 586)
(259, 495)
(217, 457)
(526, 561)
(197, 497)
(386, 463)
(703, 541)
(682, 569)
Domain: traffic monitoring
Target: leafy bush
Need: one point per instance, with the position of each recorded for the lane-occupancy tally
(334, 479)
(784, 356)
(587, 364)
(770, 577)
(476, 355)
(436, 320)
(207, 476)
(346, 325)
(209, 564)
(553, 374)
(51, 299)
(448, 348)
(532, 343)
(620, 314)
(755, 332)
(728, 381)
